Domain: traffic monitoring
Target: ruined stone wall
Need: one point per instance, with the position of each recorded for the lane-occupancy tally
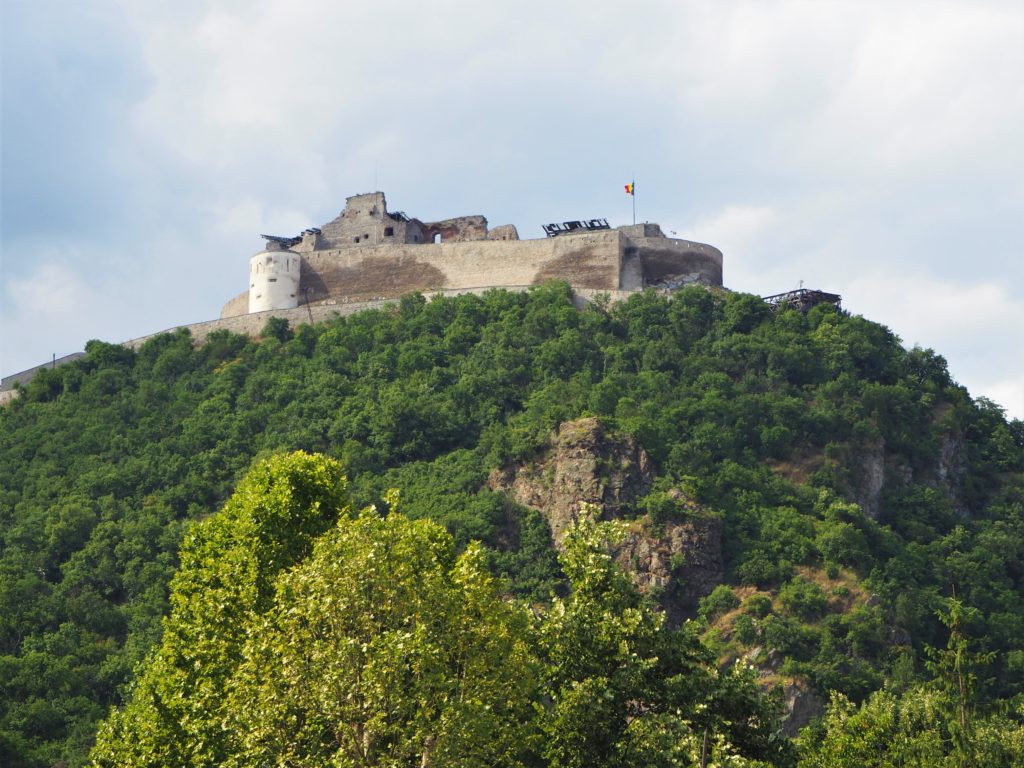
(646, 229)
(365, 222)
(252, 324)
(365, 253)
(670, 263)
(456, 230)
(590, 261)
(503, 232)
(24, 377)
(605, 260)
(237, 306)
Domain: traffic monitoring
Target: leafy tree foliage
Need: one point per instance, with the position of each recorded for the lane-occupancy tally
(228, 565)
(933, 724)
(386, 647)
(769, 419)
(626, 692)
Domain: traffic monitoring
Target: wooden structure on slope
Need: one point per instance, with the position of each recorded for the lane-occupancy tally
(803, 299)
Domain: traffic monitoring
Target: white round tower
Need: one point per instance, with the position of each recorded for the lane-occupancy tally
(274, 280)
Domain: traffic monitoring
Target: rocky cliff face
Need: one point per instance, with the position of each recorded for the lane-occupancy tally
(582, 464)
(875, 469)
(677, 562)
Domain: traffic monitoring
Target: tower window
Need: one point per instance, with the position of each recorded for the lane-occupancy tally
(389, 231)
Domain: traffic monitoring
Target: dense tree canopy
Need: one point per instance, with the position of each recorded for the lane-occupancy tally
(386, 647)
(775, 421)
(229, 562)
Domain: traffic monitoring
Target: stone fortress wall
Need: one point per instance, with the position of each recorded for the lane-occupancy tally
(368, 253)
(368, 257)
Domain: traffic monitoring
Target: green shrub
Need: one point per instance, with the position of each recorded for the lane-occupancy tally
(803, 598)
(758, 604)
(745, 629)
(721, 600)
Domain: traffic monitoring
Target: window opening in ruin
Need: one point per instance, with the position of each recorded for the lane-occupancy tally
(355, 239)
(389, 231)
(437, 238)
(272, 279)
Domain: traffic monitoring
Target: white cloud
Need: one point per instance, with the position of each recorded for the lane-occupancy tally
(41, 307)
(53, 293)
(239, 221)
(743, 233)
(929, 307)
(1008, 393)
(737, 227)
(977, 326)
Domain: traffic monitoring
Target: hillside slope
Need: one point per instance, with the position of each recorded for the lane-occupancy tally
(856, 485)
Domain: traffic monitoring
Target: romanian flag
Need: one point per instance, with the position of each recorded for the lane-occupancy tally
(629, 188)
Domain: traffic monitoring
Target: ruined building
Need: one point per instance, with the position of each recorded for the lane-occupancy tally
(368, 253)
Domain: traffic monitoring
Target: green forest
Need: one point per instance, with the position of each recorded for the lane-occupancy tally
(284, 551)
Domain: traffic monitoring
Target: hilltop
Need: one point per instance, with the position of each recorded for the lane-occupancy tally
(837, 488)
(367, 256)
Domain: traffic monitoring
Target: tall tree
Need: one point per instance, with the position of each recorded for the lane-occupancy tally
(228, 564)
(387, 649)
(626, 692)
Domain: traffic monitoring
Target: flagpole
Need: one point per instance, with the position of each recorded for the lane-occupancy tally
(633, 195)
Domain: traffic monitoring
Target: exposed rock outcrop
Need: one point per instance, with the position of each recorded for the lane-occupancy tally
(583, 464)
(803, 704)
(677, 561)
(678, 565)
(869, 479)
(950, 470)
(874, 470)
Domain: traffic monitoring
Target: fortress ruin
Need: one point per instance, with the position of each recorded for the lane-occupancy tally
(368, 253)
(368, 256)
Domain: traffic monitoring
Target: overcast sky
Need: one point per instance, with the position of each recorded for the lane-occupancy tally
(871, 149)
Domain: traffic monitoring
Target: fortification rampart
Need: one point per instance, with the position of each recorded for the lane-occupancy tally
(24, 377)
(251, 324)
(367, 252)
(393, 270)
(366, 257)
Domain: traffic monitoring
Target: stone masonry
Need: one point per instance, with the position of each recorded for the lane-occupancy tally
(367, 256)
(368, 253)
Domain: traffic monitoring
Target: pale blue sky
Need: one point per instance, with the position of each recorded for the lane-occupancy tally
(873, 149)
